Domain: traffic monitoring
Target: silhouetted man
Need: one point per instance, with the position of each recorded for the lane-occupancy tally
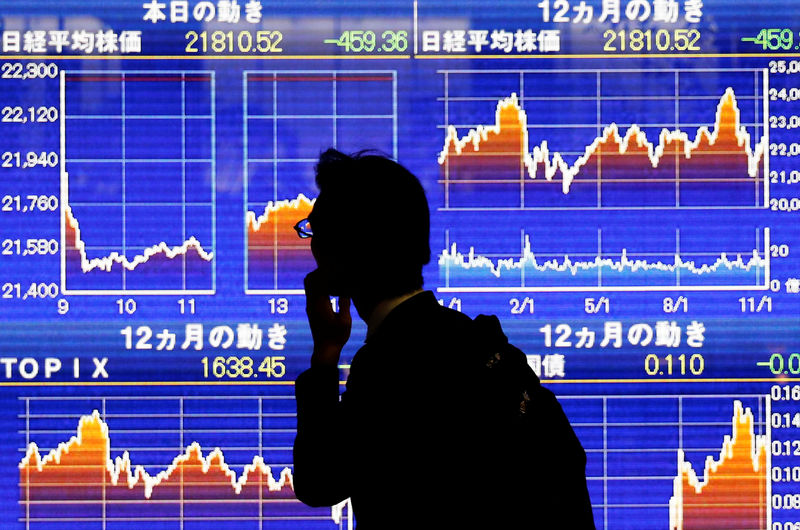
(413, 440)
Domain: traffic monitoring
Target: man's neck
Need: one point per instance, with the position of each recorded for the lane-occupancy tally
(383, 308)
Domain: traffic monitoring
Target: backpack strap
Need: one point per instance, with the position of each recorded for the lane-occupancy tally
(505, 367)
(543, 445)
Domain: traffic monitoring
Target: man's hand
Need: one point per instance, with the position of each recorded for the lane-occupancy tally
(329, 330)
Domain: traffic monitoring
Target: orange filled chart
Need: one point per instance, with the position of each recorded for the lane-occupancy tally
(118, 235)
(271, 237)
(87, 479)
(732, 493)
(591, 139)
(341, 107)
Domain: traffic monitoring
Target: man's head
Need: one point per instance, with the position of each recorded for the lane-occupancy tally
(370, 224)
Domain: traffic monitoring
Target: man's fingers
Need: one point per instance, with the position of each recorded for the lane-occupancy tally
(311, 281)
(317, 299)
(314, 285)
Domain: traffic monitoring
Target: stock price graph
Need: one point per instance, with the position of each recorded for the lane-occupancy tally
(81, 482)
(515, 161)
(674, 263)
(701, 459)
(734, 490)
(165, 240)
(619, 186)
(281, 107)
(81, 479)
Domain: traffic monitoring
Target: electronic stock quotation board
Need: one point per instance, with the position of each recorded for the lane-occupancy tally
(618, 181)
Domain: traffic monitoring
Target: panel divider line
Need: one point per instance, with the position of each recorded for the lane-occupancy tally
(180, 452)
(766, 138)
(183, 178)
(104, 503)
(28, 467)
(213, 104)
(246, 179)
(62, 97)
(605, 463)
(275, 175)
(124, 182)
(677, 127)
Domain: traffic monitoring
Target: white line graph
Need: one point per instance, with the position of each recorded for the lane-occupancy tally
(132, 139)
(249, 434)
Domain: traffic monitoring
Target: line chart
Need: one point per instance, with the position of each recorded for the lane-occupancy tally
(615, 183)
(186, 462)
(658, 449)
(118, 145)
(592, 139)
(349, 110)
(585, 260)
(93, 461)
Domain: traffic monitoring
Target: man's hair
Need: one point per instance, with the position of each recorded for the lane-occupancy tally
(376, 210)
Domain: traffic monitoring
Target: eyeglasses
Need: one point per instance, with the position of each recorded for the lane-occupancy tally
(303, 229)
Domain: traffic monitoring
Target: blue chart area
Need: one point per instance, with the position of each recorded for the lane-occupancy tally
(290, 118)
(614, 259)
(138, 182)
(168, 462)
(617, 181)
(182, 461)
(574, 153)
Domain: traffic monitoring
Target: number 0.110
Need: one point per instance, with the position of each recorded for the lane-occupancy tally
(674, 365)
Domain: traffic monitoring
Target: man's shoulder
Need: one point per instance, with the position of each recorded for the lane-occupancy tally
(425, 318)
(424, 328)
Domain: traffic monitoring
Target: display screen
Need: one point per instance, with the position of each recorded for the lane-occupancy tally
(618, 181)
